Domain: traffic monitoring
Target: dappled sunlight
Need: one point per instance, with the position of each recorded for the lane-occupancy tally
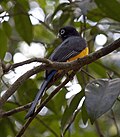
(4, 16)
(36, 13)
(100, 39)
(26, 52)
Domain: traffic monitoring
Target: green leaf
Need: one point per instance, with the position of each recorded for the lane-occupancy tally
(24, 5)
(55, 104)
(7, 28)
(97, 70)
(64, 18)
(62, 7)
(60, 96)
(68, 113)
(84, 114)
(100, 96)
(51, 105)
(3, 44)
(23, 24)
(42, 4)
(2, 128)
(9, 105)
(110, 7)
(27, 91)
(95, 31)
(7, 127)
(95, 14)
(43, 34)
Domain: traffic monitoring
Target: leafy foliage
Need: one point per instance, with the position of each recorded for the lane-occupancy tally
(23, 24)
(3, 43)
(69, 111)
(90, 18)
(100, 96)
(111, 8)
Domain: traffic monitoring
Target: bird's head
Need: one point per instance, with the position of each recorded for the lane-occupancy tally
(67, 31)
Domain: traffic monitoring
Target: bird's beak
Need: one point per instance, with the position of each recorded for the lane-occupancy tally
(58, 35)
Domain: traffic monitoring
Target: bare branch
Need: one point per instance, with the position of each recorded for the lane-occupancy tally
(43, 60)
(22, 108)
(15, 110)
(48, 127)
(19, 82)
(109, 68)
(115, 122)
(98, 129)
(59, 65)
(44, 103)
(87, 73)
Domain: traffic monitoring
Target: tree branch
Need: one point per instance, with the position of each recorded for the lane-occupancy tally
(15, 110)
(109, 68)
(22, 108)
(43, 60)
(44, 103)
(98, 129)
(115, 122)
(59, 65)
(48, 127)
(19, 82)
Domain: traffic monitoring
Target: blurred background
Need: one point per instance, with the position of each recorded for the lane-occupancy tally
(28, 29)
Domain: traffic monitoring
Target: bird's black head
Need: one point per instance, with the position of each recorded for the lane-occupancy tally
(67, 31)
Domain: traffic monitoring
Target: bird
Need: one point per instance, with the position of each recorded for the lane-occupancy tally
(72, 47)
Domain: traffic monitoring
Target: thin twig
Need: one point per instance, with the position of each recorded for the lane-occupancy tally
(15, 110)
(84, 25)
(98, 129)
(4, 82)
(115, 122)
(48, 127)
(43, 23)
(60, 65)
(22, 12)
(43, 60)
(109, 23)
(18, 83)
(87, 73)
(118, 99)
(108, 68)
(17, 39)
(22, 108)
(71, 121)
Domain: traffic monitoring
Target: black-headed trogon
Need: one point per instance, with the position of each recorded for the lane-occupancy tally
(73, 46)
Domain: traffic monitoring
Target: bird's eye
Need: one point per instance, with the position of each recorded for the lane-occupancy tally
(62, 31)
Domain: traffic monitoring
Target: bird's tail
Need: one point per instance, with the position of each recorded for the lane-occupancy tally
(39, 94)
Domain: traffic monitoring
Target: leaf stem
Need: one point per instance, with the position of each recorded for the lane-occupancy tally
(98, 129)
(115, 122)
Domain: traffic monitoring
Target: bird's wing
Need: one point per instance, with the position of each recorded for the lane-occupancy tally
(68, 49)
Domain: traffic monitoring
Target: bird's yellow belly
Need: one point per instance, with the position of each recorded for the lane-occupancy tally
(81, 55)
